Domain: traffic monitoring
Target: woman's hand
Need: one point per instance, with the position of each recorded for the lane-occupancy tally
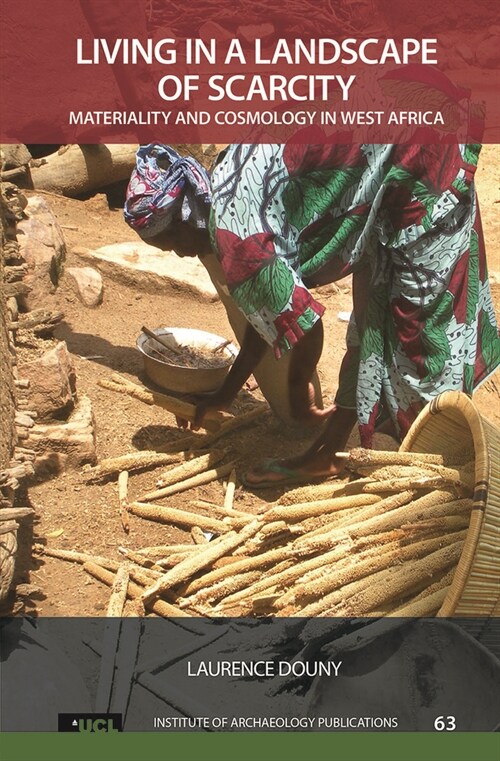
(303, 407)
(211, 401)
(207, 402)
(250, 354)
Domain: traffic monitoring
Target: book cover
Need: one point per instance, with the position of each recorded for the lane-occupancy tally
(200, 556)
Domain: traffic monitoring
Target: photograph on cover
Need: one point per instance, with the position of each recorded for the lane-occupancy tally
(250, 474)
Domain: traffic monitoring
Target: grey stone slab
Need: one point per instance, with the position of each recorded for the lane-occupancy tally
(150, 268)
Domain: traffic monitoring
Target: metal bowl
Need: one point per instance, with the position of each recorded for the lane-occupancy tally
(187, 380)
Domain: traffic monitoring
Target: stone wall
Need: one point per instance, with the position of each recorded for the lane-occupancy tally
(7, 399)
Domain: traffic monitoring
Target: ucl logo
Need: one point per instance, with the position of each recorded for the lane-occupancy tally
(90, 722)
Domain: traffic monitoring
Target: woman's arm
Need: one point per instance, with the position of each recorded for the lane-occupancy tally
(304, 358)
(251, 352)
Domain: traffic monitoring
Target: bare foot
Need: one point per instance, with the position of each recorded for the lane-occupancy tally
(316, 464)
(302, 469)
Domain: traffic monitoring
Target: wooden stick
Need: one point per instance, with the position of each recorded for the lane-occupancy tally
(222, 345)
(143, 576)
(15, 513)
(38, 317)
(80, 557)
(7, 527)
(172, 404)
(205, 557)
(162, 341)
(119, 592)
(151, 398)
(122, 498)
(188, 483)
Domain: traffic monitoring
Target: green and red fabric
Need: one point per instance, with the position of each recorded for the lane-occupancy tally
(403, 221)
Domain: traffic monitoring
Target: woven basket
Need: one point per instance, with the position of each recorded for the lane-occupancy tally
(451, 422)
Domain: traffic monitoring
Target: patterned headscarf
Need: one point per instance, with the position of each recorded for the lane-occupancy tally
(165, 186)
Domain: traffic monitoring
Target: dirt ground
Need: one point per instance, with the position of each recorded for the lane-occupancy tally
(72, 514)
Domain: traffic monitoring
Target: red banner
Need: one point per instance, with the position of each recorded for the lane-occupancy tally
(373, 71)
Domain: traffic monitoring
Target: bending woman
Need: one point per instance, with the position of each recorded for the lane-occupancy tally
(403, 221)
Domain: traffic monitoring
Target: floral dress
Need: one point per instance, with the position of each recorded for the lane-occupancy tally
(404, 221)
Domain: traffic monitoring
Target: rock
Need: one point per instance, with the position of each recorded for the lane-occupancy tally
(488, 53)
(98, 203)
(151, 269)
(68, 445)
(52, 383)
(14, 155)
(84, 168)
(88, 283)
(12, 309)
(15, 203)
(42, 246)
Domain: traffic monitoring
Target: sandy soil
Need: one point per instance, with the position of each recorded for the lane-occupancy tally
(72, 514)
